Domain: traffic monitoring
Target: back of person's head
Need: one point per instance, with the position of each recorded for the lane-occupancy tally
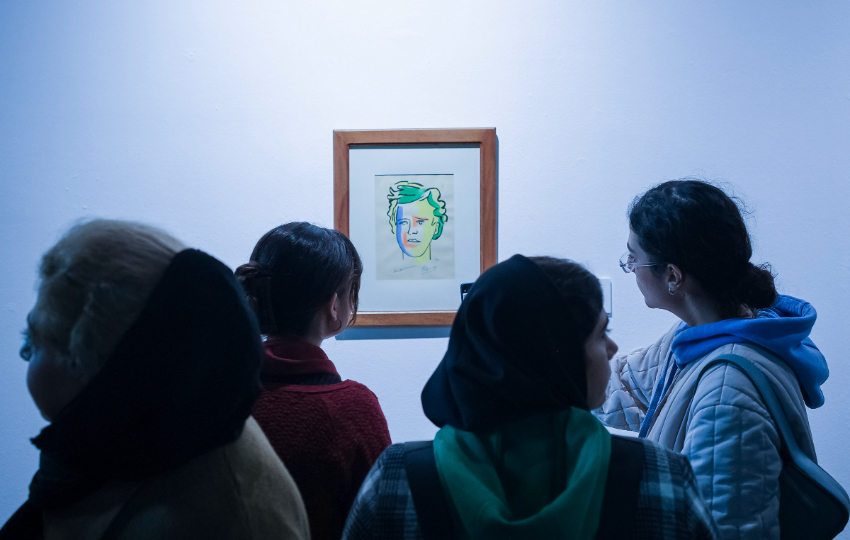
(696, 226)
(517, 345)
(94, 283)
(582, 292)
(294, 270)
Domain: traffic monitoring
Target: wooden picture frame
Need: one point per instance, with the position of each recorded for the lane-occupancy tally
(485, 138)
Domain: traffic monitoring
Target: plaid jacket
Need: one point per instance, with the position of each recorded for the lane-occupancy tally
(669, 504)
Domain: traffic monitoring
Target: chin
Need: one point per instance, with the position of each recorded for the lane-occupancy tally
(652, 303)
(595, 404)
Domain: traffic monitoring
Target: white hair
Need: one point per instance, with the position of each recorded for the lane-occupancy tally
(94, 284)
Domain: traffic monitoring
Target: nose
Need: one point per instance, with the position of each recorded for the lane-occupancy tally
(612, 348)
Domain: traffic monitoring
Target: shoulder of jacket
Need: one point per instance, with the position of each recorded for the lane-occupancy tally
(761, 357)
(391, 458)
(360, 389)
(354, 407)
(386, 474)
(664, 471)
(655, 453)
(724, 384)
(234, 490)
(655, 456)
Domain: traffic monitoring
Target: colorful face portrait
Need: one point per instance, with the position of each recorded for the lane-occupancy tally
(417, 215)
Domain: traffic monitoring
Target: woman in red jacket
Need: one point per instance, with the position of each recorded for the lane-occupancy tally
(303, 282)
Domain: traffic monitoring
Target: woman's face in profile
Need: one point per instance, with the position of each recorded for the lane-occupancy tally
(652, 287)
(598, 349)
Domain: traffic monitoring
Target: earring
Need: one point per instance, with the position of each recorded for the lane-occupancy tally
(338, 326)
(671, 290)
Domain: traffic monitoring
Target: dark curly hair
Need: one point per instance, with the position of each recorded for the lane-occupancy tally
(294, 270)
(698, 227)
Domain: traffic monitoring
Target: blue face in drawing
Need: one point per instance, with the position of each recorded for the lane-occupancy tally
(415, 227)
(402, 228)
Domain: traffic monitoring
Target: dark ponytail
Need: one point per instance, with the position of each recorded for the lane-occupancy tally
(757, 288)
(256, 281)
(696, 226)
(294, 270)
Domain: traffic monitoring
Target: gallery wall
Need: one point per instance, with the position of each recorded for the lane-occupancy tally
(214, 121)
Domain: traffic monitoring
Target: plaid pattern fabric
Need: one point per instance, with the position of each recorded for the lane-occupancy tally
(384, 508)
(669, 504)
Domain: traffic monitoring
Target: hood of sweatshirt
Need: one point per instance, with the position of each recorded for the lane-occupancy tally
(783, 329)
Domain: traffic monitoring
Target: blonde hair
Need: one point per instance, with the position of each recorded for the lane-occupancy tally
(94, 284)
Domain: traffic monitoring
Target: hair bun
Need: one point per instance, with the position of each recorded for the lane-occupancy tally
(757, 287)
(256, 281)
(251, 270)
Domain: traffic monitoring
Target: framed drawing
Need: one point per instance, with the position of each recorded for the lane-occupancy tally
(420, 207)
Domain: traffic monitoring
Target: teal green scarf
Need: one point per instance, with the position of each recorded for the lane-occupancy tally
(539, 477)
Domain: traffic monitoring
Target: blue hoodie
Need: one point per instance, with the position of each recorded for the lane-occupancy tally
(783, 329)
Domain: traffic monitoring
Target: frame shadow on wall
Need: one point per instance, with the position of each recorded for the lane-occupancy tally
(394, 332)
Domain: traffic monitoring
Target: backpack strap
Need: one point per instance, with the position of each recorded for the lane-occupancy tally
(432, 510)
(765, 390)
(790, 451)
(813, 477)
(622, 488)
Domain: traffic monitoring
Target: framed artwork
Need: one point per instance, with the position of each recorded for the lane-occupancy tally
(420, 207)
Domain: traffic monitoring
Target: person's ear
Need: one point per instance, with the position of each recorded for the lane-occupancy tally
(326, 322)
(333, 310)
(675, 279)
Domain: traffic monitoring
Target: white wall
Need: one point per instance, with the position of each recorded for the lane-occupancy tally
(214, 120)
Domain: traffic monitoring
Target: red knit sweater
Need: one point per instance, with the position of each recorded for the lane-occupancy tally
(327, 432)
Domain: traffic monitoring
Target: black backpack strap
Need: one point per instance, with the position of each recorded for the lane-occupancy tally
(622, 488)
(432, 510)
(810, 491)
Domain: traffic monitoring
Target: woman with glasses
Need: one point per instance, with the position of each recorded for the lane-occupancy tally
(690, 252)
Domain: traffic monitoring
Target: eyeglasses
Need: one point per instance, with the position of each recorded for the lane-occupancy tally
(628, 264)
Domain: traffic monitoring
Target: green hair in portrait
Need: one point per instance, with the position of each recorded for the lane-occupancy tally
(416, 216)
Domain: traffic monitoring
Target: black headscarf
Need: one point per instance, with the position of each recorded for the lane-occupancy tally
(181, 381)
(515, 350)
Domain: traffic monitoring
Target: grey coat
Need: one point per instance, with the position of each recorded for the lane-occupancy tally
(721, 425)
